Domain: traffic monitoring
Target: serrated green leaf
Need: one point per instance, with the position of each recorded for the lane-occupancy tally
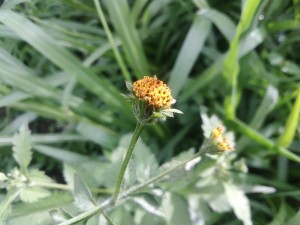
(22, 147)
(82, 195)
(59, 215)
(38, 176)
(239, 202)
(33, 194)
(176, 209)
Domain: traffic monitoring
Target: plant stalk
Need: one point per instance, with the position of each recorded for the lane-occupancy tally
(138, 130)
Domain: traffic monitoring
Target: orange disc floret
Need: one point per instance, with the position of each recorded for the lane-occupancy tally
(154, 91)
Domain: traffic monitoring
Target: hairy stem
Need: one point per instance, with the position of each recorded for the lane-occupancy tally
(138, 130)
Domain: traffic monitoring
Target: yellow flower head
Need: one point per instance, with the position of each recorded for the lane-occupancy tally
(218, 140)
(154, 91)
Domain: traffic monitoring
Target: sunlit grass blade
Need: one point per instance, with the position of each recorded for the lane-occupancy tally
(189, 53)
(231, 64)
(257, 137)
(291, 125)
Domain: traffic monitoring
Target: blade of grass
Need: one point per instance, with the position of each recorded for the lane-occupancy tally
(44, 139)
(189, 53)
(266, 106)
(36, 37)
(288, 134)
(106, 137)
(112, 42)
(231, 64)
(124, 25)
(251, 41)
(292, 122)
(257, 137)
(221, 21)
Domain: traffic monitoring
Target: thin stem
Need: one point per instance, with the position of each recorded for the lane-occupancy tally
(112, 41)
(138, 130)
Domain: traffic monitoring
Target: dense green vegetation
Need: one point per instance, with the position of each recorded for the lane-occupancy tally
(63, 66)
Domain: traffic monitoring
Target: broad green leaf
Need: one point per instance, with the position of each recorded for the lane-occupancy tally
(22, 147)
(176, 209)
(143, 163)
(59, 215)
(37, 176)
(82, 195)
(56, 199)
(33, 194)
(239, 202)
(218, 202)
(189, 53)
(289, 132)
(5, 205)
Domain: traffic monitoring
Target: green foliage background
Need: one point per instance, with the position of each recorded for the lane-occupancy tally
(63, 64)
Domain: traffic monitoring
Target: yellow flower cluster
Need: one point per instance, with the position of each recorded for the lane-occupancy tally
(154, 91)
(221, 142)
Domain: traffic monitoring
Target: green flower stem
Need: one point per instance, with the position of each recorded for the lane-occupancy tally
(138, 130)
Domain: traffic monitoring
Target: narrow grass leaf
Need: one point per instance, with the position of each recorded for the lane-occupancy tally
(266, 106)
(60, 154)
(222, 22)
(250, 42)
(280, 216)
(189, 53)
(47, 46)
(292, 122)
(295, 220)
(112, 42)
(257, 137)
(124, 25)
(231, 65)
